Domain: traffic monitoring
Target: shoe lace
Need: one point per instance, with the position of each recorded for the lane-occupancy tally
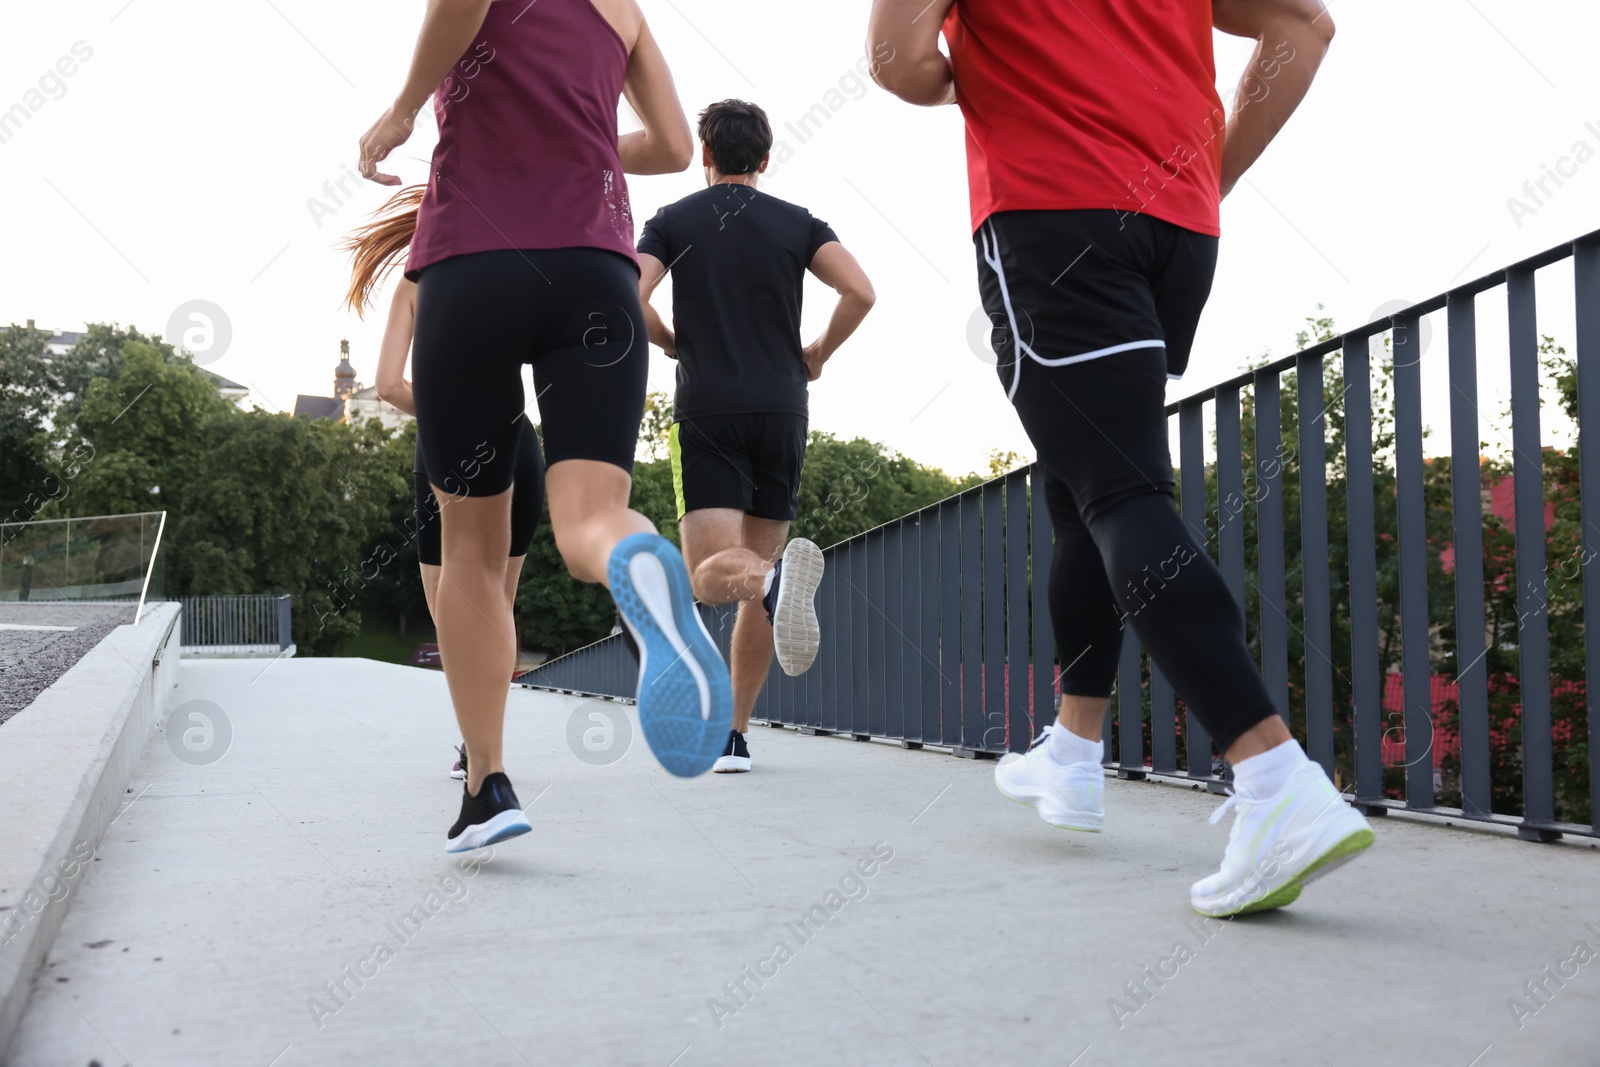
(1037, 741)
(1228, 805)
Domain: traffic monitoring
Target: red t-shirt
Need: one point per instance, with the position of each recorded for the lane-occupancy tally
(1074, 104)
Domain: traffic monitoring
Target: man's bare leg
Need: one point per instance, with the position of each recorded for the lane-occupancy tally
(729, 555)
(750, 661)
(721, 565)
(752, 633)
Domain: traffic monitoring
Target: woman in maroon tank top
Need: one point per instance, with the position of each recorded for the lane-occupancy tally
(523, 253)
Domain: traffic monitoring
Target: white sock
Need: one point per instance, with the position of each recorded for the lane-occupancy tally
(1067, 747)
(1265, 775)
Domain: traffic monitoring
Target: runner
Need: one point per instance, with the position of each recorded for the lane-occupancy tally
(1097, 156)
(524, 253)
(375, 248)
(738, 259)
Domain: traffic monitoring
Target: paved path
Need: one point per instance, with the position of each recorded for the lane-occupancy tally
(228, 896)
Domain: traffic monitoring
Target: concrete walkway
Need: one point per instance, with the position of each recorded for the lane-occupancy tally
(229, 899)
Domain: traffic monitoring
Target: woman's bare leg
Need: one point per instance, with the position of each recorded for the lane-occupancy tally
(430, 589)
(477, 640)
(589, 514)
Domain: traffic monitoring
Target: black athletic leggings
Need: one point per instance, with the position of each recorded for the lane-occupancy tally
(1097, 309)
(1127, 557)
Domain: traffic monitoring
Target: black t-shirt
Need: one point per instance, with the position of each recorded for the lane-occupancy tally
(738, 259)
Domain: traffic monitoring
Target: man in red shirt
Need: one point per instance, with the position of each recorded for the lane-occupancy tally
(1097, 154)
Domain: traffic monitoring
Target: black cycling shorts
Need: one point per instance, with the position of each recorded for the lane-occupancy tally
(573, 313)
(750, 463)
(527, 500)
(1091, 313)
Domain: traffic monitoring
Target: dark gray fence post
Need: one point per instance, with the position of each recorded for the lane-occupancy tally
(1533, 636)
(1191, 447)
(1041, 556)
(1366, 685)
(1314, 583)
(1586, 278)
(1019, 724)
(1415, 667)
(1466, 505)
(1230, 493)
(1130, 709)
(1270, 541)
(285, 623)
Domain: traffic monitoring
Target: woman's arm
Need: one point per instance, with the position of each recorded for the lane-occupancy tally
(665, 145)
(447, 30)
(392, 384)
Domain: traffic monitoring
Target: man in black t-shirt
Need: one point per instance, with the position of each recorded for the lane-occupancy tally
(738, 259)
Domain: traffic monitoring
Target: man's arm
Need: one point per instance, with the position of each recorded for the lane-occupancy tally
(920, 73)
(651, 271)
(447, 29)
(838, 269)
(1291, 37)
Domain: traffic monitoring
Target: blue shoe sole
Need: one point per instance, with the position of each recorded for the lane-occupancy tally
(685, 725)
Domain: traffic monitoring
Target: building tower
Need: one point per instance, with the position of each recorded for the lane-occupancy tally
(344, 375)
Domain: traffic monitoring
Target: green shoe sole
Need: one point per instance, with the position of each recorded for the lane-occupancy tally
(1289, 892)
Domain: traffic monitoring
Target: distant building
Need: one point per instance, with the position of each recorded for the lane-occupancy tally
(351, 402)
(227, 388)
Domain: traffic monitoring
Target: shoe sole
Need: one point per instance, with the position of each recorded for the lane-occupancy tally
(1086, 823)
(458, 775)
(686, 706)
(796, 635)
(731, 765)
(509, 823)
(1336, 856)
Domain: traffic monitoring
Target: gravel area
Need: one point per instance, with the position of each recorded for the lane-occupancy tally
(32, 660)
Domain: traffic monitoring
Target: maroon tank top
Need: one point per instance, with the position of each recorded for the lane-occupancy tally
(527, 153)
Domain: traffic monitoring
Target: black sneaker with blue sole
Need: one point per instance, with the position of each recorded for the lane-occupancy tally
(493, 815)
(685, 696)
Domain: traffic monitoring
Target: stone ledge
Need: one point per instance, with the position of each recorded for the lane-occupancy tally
(65, 761)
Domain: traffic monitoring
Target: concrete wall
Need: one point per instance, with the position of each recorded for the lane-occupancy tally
(65, 762)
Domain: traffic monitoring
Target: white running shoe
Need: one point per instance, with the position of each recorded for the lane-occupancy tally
(1071, 795)
(792, 606)
(1281, 844)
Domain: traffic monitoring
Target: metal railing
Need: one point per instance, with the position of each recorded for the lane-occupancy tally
(236, 625)
(935, 629)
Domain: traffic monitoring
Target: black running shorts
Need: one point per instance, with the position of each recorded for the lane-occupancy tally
(527, 500)
(573, 313)
(1091, 313)
(750, 463)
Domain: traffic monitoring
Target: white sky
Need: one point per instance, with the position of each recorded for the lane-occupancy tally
(178, 162)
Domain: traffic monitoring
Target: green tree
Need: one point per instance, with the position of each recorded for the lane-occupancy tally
(149, 427)
(28, 387)
(849, 487)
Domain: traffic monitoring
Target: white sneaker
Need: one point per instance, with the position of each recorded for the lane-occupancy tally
(792, 606)
(1069, 795)
(1281, 844)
